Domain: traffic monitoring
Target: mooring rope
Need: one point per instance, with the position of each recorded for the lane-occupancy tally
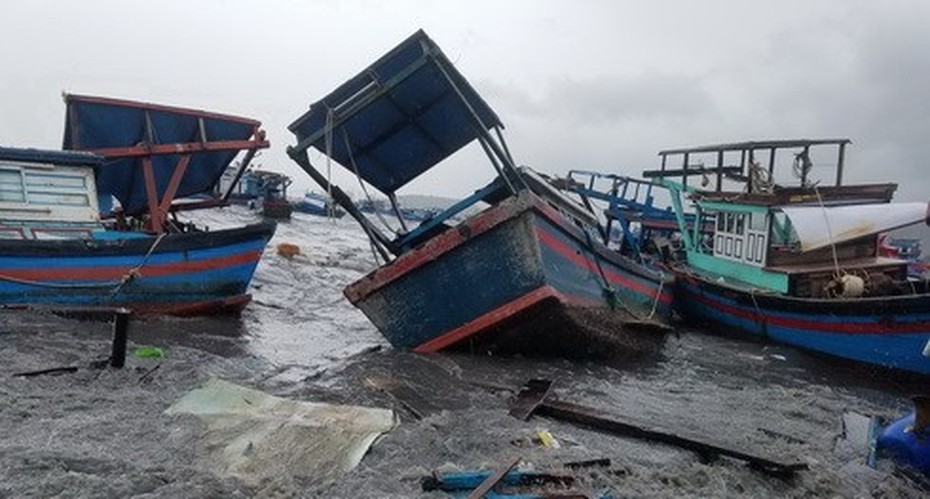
(117, 285)
(132, 273)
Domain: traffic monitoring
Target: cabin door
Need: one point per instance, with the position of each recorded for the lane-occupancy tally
(756, 238)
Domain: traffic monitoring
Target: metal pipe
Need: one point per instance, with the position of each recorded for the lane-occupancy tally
(382, 243)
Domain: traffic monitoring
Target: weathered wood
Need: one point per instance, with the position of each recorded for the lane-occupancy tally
(40, 372)
(531, 395)
(120, 337)
(600, 420)
(588, 463)
(492, 480)
(418, 406)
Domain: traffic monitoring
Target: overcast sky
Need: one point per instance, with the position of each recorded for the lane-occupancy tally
(579, 84)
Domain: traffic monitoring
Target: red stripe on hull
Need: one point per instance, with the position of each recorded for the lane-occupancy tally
(438, 246)
(148, 270)
(489, 319)
(814, 325)
(570, 254)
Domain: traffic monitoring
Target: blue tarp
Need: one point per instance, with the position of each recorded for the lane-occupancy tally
(64, 158)
(93, 123)
(400, 116)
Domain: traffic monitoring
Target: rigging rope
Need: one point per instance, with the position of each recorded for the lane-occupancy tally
(117, 285)
(826, 219)
(345, 138)
(329, 169)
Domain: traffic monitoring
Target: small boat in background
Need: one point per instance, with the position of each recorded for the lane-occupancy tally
(64, 245)
(261, 190)
(528, 272)
(318, 204)
(798, 264)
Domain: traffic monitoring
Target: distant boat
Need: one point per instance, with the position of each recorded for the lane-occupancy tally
(529, 272)
(59, 249)
(318, 204)
(798, 264)
(261, 190)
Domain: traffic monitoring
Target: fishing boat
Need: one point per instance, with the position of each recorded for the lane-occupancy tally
(798, 261)
(65, 244)
(318, 204)
(527, 273)
(261, 190)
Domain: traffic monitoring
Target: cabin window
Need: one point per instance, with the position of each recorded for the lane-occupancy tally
(757, 222)
(738, 248)
(720, 222)
(729, 249)
(11, 186)
(741, 223)
(751, 247)
(730, 223)
(718, 244)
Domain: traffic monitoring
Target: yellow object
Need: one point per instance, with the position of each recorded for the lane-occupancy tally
(546, 439)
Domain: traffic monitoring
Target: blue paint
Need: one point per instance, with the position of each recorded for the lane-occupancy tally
(186, 286)
(899, 351)
(900, 442)
(91, 124)
(489, 271)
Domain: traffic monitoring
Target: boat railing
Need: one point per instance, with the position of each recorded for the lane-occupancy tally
(755, 165)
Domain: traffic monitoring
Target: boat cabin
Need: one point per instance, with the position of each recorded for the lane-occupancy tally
(788, 234)
(47, 194)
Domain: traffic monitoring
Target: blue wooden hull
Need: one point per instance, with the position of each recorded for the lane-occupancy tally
(887, 331)
(180, 274)
(516, 276)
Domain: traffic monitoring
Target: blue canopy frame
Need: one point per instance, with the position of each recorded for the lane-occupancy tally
(394, 121)
(157, 153)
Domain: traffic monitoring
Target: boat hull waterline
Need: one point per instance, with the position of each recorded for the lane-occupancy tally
(516, 264)
(176, 274)
(886, 331)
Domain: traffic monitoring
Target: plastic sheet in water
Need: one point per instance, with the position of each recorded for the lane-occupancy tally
(253, 435)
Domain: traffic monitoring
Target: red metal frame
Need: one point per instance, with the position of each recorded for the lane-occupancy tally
(185, 148)
(159, 208)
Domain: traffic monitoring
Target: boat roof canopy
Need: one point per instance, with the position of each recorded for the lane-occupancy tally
(64, 158)
(129, 134)
(398, 118)
(817, 226)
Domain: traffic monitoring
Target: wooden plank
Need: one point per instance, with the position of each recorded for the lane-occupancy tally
(406, 396)
(600, 420)
(531, 395)
(492, 480)
(53, 370)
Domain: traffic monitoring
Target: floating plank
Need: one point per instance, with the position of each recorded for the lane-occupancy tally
(492, 480)
(601, 420)
(406, 396)
(53, 370)
(531, 395)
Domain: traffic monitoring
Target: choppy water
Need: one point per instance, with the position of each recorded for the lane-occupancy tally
(301, 338)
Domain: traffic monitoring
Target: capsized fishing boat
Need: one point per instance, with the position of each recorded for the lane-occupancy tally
(797, 263)
(526, 273)
(64, 244)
